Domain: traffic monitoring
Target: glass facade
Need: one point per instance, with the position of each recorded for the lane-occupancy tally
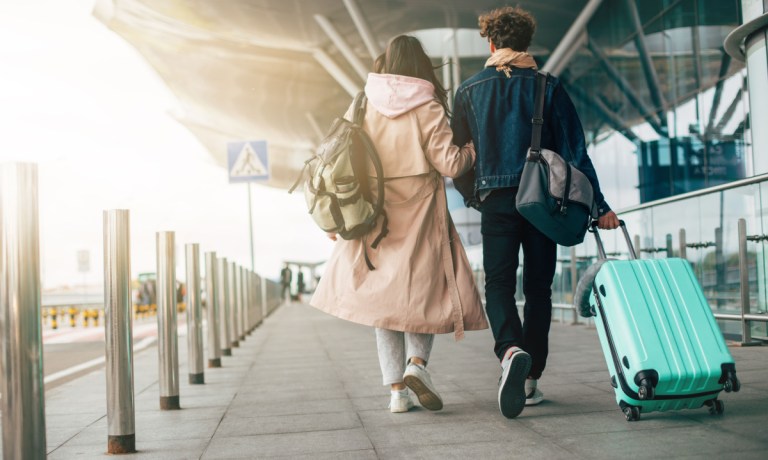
(663, 104)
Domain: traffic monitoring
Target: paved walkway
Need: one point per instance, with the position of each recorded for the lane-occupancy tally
(306, 385)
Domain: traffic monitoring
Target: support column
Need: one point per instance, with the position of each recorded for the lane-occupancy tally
(749, 42)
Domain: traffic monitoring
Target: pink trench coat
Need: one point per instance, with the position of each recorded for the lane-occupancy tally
(422, 281)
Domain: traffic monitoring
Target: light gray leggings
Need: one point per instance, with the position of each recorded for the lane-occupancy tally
(396, 347)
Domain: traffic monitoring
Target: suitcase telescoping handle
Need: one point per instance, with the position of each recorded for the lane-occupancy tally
(601, 249)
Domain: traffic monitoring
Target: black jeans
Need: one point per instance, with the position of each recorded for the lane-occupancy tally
(504, 231)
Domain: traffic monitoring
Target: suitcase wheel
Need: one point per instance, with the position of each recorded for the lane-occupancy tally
(716, 407)
(632, 413)
(645, 391)
(731, 383)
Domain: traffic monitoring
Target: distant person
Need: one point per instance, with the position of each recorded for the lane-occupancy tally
(300, 285)
(422, 283)
(286, 276)
(493, 109)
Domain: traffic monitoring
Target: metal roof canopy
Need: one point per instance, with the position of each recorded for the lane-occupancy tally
(283, 70)
(274, 70)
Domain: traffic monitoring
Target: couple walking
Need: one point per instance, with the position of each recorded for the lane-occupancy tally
(422, 284)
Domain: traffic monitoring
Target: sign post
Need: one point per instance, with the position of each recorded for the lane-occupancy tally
(84, 266)
(248, 162)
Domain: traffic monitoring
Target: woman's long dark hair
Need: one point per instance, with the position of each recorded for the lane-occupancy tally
(406, 56)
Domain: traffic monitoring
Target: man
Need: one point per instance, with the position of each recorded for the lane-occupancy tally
(494, 110)
(286, 276)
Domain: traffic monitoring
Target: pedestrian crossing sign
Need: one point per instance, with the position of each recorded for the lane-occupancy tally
(248, 161)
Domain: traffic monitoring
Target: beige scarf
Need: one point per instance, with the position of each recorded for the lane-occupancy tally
(504, 58)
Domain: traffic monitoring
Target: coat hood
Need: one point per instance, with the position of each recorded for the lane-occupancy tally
(394, 95)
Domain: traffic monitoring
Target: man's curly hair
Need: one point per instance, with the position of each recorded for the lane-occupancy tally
(508, 27)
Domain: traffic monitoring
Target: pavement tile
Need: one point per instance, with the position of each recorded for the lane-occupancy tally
(233, 426)
(658, 443)
(453, 432)
(288, 444)
(292, 407)
(147, 450)
(493, 449)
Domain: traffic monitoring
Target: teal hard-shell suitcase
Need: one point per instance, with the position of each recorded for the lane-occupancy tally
(662, 345)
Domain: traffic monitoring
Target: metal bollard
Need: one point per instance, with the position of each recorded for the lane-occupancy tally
(264, 300)
(252, 302)
(248, 301)
(683, 245)
(574, 282)
(21, 350)
(256, 300)
(167, 336)
(239, 302)
(212, 307)
(670, 250)
(261, 300)
(244, 297)
(234, 304)
(118, 333)
(746, 331)
(222, 282)
(194, 316)
(246, 306)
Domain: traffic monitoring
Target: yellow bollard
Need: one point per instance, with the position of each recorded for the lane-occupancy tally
(44, 314)
(95, 318)
(54, 314)
(85, 318)
(72, 315)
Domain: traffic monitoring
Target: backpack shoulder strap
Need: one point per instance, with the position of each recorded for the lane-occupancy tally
(358, 111)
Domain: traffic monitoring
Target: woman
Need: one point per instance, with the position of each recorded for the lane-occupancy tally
(422, 284)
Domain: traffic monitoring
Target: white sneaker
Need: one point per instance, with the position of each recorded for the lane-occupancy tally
(533, 395)
(400, 402)
(417, 379)
(514, 372)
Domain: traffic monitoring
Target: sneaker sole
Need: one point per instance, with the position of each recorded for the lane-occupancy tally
(427, 398)
(512, 388)
(400, 410)
(533, 402)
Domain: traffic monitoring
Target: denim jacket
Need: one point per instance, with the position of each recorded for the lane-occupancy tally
(494, 109)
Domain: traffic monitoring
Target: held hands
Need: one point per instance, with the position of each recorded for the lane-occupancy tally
(608, 221)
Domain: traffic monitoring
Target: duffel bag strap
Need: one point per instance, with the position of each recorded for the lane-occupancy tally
(538, 113)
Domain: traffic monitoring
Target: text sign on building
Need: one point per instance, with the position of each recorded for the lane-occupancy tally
(247, 161)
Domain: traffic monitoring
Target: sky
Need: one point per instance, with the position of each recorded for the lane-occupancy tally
(79, 101)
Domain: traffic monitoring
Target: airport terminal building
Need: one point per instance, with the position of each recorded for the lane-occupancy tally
(671, 94)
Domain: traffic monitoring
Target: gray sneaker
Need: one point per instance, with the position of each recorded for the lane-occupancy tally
(533, 395)
(514, 372)
(418, 380)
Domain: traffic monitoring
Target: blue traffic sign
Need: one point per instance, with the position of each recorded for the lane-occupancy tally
(248, 161)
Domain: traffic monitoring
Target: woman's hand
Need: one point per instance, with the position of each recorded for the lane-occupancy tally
(331, 236)
(608, 221)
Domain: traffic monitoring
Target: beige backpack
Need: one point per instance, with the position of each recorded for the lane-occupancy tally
(336, 181)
